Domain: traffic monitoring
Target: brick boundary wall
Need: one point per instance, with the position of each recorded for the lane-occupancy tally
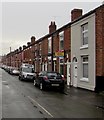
(99, 16)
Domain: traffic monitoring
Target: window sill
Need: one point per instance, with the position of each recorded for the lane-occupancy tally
(84, 79)
(84, 47)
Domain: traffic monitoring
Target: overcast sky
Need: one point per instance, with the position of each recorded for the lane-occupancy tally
(21, 20)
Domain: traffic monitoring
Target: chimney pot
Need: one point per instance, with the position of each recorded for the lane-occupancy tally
(20, 48)
(24, 46)
(28, 43)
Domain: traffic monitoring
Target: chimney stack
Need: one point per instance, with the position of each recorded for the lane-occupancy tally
(20, 48)
(75, 14)
(28, 43)
(24, 46)
(52, 27)
(33, 39)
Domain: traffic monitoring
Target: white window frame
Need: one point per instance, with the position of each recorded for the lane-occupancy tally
(35, 50)
(61, 38)
(84, 78)
(61, 63)
(50, 45)
(40, 49)
(83, 32)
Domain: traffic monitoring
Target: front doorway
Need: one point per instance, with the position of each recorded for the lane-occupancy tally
(75, 79)
(68, 74)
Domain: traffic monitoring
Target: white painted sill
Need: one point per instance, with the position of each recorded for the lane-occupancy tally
(84, 47)
(84, 79)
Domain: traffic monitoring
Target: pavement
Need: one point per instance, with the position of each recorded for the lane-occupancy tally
(86, 96)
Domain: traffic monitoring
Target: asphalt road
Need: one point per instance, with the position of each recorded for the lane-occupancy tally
(21, 99)
(0, 94)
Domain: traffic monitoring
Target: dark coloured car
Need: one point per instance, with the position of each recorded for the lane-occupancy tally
(49, 79)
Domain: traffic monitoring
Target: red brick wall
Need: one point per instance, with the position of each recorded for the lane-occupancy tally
(55, 43)
(67, 47)
(67, 42)
(33, 53)
(100, 41)
(27, 55)
(44, 53)
(56, 48)
(44, 47)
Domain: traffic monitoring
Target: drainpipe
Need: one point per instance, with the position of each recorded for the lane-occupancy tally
(52, 55)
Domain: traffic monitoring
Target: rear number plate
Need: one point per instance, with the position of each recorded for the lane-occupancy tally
(55, 84)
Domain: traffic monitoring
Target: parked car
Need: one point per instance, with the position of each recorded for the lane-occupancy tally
(15, 71)
(49, 79)
(11, 70)
(27, 72)
(7, 69)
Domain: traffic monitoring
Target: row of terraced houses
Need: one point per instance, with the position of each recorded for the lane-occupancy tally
(76, 50)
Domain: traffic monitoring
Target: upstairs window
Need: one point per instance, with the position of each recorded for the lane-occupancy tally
(35, 50)
(61, 41)
(40, 49)
(84, 32)
(49, 45)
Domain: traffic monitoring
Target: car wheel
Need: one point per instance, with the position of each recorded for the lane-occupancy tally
(19, 78)
(62, 88)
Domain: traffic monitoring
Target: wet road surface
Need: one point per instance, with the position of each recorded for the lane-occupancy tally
(0, 94)
(21, 99)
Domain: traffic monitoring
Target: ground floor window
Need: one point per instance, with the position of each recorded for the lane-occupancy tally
(55, 67)
(62, 69)
(85, 66)
(49, 64)
(45, 66)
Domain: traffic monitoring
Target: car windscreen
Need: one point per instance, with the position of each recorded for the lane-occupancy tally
(28, 70)
(54, 75)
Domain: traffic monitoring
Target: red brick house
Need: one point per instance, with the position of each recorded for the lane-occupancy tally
(62, 50)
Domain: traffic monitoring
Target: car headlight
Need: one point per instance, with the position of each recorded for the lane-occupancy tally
(25, 76)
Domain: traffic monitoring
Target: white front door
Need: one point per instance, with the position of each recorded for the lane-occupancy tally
(75, 76)
(43, 67)
(68, 73)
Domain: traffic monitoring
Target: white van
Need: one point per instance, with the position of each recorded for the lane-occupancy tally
(27, 72)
